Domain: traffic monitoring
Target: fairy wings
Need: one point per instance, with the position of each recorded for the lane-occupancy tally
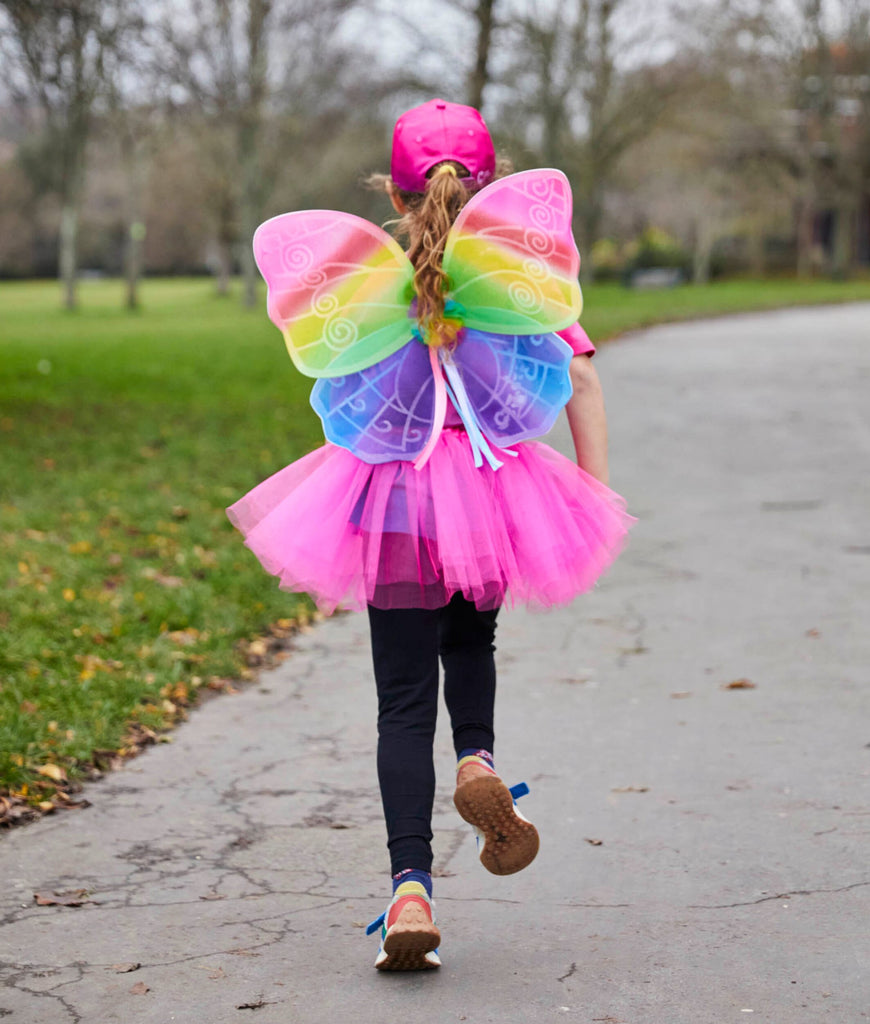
(341, 291)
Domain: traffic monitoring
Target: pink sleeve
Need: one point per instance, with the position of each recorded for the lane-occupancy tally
(578, 339)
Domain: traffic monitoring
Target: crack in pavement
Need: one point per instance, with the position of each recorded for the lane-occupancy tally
(571, 970)
(776, 896)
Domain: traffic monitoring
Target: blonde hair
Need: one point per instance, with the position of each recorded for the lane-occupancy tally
(426, 222)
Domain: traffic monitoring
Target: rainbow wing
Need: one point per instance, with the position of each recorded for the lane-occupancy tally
(339, 289)
(516, 383)
(381, 413)
(511, 258)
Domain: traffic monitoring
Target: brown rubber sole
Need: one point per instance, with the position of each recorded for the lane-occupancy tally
(409, 939)
(510, 842)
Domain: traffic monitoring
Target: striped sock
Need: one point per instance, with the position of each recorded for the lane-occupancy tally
(472, 756)
(413, 875)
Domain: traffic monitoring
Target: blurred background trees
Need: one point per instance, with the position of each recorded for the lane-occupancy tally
(709, 137)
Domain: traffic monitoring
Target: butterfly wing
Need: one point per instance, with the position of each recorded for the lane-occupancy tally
(511, 258)
(383, 412)
(516, 384)
(339, 289)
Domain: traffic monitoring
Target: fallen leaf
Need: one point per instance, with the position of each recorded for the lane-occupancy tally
(218, 974)
(739, 684)
(69, 898)
(813, 632)
(595, 842)
(125, 968)
(629, 789)
(13, 810)
(139, 989)
(183, 637)
(213, 896)
(69, 802)
(681, 694)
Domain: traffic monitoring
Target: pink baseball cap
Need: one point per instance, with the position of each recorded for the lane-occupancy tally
(438, 131)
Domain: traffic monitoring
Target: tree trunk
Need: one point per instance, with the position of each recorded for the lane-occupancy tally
(225, 266)
(804, 254)
(133, 261)
(591, 212)
(250, 210)
(133, 214)
(249, 131)
(702, 252)
(69, 216)
(757, 254)
(842, 247)
(480, 74)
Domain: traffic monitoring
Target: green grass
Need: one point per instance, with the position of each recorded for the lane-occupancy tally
(123, 587)
(611, 309)
(123, 438)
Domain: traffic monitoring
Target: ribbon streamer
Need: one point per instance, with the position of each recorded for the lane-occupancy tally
(479, 445)
(439, 413)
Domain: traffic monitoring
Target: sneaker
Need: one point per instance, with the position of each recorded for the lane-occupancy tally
(409, 936)
(507, 841)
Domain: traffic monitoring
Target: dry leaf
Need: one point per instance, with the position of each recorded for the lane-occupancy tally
(139, 989)
(255, 1005)
(218, 974)
(69, 898)
(681, 694)
(739, 684)
(213, 896)
(629, 789)
(52, 771)
(125, 968)
(595, 842)
(813, 632)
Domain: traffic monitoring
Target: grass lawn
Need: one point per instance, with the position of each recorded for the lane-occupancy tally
(123, 587)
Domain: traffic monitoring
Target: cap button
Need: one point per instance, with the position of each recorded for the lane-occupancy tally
(441, 106)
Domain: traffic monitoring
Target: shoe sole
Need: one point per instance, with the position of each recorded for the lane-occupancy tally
(408, 942)
(510, 843)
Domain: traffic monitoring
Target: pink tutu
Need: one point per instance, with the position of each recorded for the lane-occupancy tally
(538, 531)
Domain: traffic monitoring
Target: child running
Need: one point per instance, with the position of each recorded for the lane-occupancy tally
(431, 505)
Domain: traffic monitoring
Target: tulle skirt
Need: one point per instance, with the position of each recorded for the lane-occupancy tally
(538, 531)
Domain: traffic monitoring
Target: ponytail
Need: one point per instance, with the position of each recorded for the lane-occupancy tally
(444, 197)
(426, 223)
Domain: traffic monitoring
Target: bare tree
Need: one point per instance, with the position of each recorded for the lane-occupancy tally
(227, 61)
(581, 94)
(63, 51)
(800, 74)
(484, 17)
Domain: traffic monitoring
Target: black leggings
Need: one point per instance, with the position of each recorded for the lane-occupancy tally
(406, 644)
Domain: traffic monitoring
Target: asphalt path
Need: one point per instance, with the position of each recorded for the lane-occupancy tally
(694, 732)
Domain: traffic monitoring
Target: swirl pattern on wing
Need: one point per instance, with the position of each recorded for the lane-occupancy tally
(339, 289)
(383, 412)
(511, 258)
(516, 383)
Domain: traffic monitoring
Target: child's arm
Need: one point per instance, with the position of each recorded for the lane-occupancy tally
(587, 419)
